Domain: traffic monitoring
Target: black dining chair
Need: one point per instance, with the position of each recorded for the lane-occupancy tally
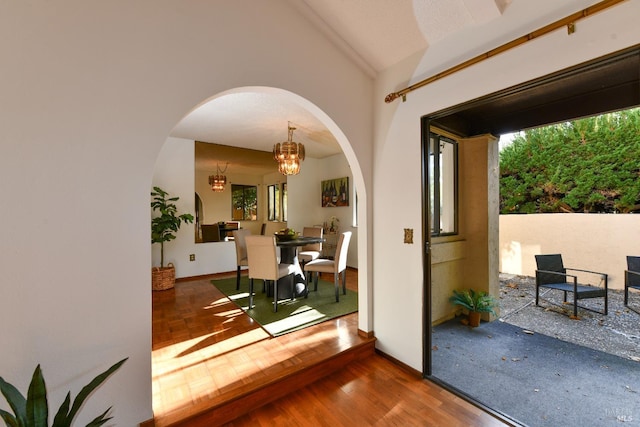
(631, 276)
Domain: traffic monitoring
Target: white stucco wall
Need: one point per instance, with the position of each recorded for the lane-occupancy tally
(398, 303)
(90, 93)
(596, 242)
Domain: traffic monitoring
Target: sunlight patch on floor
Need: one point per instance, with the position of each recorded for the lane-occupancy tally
(300, 318)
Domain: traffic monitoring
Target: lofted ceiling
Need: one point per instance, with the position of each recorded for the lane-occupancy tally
(377, 34)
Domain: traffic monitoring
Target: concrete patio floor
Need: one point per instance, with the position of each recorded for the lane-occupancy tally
(617, 333)
(542, 368)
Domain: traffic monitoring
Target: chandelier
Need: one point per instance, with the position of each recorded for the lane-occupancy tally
(289, 155)
(218, 181)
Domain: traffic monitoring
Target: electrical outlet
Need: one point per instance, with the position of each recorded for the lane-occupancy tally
(192, 257)
(408, 235)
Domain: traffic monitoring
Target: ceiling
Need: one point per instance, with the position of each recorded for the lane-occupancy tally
(376, 34)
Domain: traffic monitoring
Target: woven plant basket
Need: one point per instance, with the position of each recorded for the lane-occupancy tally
(163, 278)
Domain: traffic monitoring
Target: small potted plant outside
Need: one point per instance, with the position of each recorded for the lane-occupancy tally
(476, 302)
(163, 229)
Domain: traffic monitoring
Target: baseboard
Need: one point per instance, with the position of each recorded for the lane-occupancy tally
(366, 335)
(402, 365)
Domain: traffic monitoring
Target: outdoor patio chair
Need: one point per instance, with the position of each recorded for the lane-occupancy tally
(631, 276)
(552, 274)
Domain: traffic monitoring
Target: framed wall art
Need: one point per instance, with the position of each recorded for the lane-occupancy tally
(335, 192)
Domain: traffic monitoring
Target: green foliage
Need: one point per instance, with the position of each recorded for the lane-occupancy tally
(588, 165)
(33, 411)
(480, 301)
(164, 226)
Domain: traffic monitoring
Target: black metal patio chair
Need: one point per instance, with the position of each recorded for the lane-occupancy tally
(631, 276)
(552, 274)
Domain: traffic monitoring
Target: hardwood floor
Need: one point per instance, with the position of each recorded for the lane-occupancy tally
(211, 364)
(371, 391)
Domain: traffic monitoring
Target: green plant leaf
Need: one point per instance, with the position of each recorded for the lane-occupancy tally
(37, 408)
(9, 419)
(61, 415)
(474, 301)
(16, 401)
(86, 390)
(100, 420)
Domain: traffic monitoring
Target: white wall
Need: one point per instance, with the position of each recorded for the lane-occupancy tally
(398, 296)
(305, 199)
(597, 242)
(90, 93)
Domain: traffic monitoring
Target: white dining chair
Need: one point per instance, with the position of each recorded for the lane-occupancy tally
(337, 266)
(313, 250)
(263, 264)
(241, 251)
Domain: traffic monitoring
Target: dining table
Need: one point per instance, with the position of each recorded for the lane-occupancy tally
(289, 255)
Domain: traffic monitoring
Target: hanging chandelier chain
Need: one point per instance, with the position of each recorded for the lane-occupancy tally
(221, 171)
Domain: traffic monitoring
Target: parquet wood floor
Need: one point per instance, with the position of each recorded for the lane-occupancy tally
(206, 351)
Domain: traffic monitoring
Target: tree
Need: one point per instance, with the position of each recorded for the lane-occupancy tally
(589, 165)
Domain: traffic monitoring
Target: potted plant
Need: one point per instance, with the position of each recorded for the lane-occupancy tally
(476, 302)
(163, 229)
(33, 411)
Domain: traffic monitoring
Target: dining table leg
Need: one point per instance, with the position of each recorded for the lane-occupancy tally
(289, 255)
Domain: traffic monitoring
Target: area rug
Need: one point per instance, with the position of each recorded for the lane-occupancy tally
(292, 315)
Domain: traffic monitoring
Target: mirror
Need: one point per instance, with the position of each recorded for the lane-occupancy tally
(243, 201)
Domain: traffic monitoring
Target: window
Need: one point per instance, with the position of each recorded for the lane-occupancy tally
(244, 202)
(443, 184)
(273, 202)
(277, 202)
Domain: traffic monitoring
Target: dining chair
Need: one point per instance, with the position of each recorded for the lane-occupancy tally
(337, 266)
(241, 251)
(311, 251)
(210, 233)
(263, 264)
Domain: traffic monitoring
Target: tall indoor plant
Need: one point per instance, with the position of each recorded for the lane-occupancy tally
(163, 229)
(476, 302)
